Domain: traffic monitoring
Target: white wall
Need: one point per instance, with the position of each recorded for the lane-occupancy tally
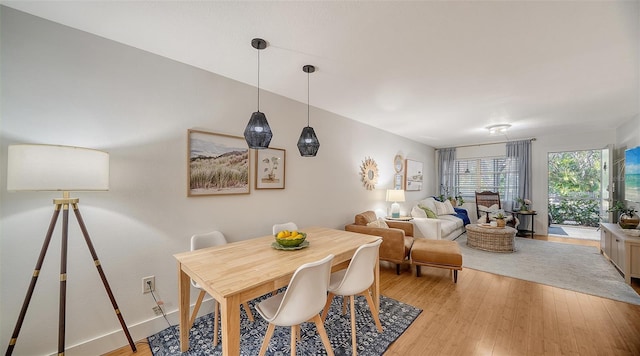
(63, 86)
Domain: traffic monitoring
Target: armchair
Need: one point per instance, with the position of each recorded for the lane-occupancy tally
(485, 203)
(397, 238)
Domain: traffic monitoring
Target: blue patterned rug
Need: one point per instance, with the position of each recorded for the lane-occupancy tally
(395, 318)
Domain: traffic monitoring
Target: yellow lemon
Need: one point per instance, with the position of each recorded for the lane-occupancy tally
(281, 234)
(294, 233)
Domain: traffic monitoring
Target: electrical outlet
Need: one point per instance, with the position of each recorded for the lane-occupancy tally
(156, 309)
(148, 284)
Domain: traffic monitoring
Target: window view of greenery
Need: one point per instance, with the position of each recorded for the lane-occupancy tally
(574, 187)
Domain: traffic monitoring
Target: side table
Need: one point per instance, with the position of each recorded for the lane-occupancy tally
(525, 213)
(402, 218)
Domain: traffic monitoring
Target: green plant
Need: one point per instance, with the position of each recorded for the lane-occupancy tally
(459, 199)
(583, 212)
(621, 208)
(500, 216)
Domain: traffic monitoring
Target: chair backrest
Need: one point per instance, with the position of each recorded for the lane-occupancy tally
(359, 275)
(365, 217)
(487, 199)
(209, 239)
(291, 226)
(306, 294)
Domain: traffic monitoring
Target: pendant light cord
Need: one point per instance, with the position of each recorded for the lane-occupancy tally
(308, 74)
(258, 80)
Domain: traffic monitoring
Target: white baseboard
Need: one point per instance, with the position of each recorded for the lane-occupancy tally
(139, 332)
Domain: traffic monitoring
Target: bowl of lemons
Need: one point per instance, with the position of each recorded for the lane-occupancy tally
(288, 238)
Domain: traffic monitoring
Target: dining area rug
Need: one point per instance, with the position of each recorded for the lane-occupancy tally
(578, 268)
(395, 318)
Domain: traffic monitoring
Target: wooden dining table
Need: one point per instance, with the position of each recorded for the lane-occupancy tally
(241, 271)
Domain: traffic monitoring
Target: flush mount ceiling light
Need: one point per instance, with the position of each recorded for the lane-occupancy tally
(499, 129)
(308, 143)
(258, 133)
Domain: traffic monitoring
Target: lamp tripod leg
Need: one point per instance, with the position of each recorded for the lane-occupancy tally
(34, 279)
(96, 261)
(63, 280)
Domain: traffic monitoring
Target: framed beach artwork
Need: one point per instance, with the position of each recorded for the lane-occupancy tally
(413, 174)
(270, 173)
(218, 164)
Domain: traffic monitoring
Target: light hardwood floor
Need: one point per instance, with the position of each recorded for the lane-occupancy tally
(487, 314)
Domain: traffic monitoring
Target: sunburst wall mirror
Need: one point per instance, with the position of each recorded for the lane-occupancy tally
(369, 173)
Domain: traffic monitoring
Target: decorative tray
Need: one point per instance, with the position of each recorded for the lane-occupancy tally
(277, 246)
(488, 226)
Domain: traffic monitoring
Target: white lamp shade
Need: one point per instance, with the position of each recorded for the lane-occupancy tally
(56, 168)
(395, 195)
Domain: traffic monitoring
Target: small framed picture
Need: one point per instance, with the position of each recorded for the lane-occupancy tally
(217, 164)
(413, 170)
(270, 168)
(397, 181)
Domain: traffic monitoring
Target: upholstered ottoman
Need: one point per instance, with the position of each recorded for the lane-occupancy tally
(436, 253)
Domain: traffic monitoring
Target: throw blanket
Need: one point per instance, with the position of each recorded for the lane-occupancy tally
(462, 214)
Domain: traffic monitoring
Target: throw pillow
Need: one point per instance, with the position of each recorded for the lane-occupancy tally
(428, 203)
(418, 212)
(378, 223)
(444, 208)
(430, 214)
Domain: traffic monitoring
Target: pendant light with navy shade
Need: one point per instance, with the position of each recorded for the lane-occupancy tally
(258, 132)
(308, 143)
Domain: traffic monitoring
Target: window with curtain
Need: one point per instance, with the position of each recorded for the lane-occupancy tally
(480, 174)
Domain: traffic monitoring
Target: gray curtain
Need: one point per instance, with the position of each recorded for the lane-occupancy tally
(519, 173)
(447, 171)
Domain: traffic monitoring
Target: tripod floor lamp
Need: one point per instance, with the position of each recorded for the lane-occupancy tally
(60, 168)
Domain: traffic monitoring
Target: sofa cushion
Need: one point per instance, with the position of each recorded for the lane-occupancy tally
(449, 224)
(378, 223)
(444, 208)
(365, 218)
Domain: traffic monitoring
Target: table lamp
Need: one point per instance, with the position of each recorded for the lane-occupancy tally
(395, 195)
(59, 168)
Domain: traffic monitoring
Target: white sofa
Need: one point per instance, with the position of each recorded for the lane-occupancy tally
(444, 227)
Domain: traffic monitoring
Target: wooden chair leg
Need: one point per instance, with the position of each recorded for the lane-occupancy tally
(196, 308)
(248, 311)
(267, 338)
(216, 318)
(294, 338)
(327, 306)
(417, 270)
(344, 304)
(374, 310)
(398, 269)
(354, 344)
(323, 334)
(455, 276)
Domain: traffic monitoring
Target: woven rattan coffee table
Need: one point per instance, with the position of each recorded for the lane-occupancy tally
(488, 238)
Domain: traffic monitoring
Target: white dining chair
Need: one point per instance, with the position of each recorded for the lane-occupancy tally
(357, 279)
(291, 226)
(301, 302)
(198, 241)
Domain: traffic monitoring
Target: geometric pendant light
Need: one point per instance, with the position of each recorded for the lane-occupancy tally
(258, 133)
(308, 143)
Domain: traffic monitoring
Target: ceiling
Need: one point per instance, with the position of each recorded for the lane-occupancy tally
(435, 72)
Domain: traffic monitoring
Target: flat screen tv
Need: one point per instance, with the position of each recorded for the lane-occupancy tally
(632, 174)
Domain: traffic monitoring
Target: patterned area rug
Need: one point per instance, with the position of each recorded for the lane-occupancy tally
(395, 318)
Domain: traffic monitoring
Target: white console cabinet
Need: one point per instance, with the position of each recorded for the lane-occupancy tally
(621, 249)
